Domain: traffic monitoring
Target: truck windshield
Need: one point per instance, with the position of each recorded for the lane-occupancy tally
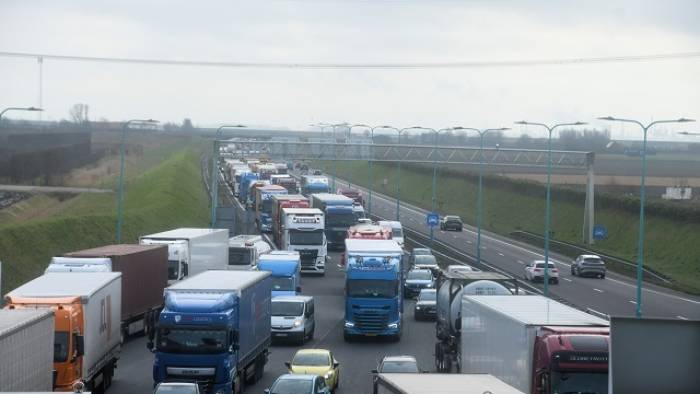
(396, 232)
(191, 340)
(282, 284)
(340, 219)
(297, 237)
(60, 346)
(173, 266)
(267, 206)
(287, 308)
(240, 256)
(579, 382)
(372, 288)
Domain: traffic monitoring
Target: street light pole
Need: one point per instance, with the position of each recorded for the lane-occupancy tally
(371, 174)
(120, 188)
(214, 180)
(31, 109)
(642, 195)
(479, 201)
(335, 152)
(349, 136)
(322, 126)
(547, 214)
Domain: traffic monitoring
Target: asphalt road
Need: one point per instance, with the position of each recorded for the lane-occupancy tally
(356, 358)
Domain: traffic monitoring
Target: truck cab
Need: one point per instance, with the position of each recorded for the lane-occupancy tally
(373, 288)
(263, 206)
(303, 230)
(339, 216)
(244, 251)
(178, 256)
(311, 184)
(369, 231)
(244, 186)
(285, 268)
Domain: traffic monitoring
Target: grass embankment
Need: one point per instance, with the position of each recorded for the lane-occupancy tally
(166, 196)
(671, 245)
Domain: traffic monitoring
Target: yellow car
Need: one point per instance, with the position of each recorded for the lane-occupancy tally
(318, 362)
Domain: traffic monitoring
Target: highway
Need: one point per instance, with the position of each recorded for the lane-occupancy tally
(356, 359)
(614, 295)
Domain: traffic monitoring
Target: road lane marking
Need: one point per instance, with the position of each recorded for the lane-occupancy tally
(598, 290)
(521, 262)
(681, 317)
(567, 279)
(454, 236)
(633, 302)
(469, 242)
(501, 254)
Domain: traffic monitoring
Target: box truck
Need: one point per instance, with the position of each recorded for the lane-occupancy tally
(535, 344)
(280, 202)
(302, 230)
(214, 330)
(144, 270)
(244, 250)
(263, 206)
(26, 350)
(339, 217)
(434, 383)
(285, 269)
(87, 312)
(191, 250)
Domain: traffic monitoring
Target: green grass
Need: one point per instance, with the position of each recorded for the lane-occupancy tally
(168, 195)
(671, 246)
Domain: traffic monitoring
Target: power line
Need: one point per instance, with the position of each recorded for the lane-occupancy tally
(378, 65)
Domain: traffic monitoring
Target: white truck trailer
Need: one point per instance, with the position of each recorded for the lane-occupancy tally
(191, 250)
(434, 383)
(26, 350)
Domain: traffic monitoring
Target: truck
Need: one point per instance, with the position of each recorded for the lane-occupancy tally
(253, 194)
(244, 250)
(287, 182)
(311, 184)
(339, 217)
(285, 268)
(351, 192)
(451, 286)
(244, 186)
(535, 344)
(144, 270)
(279, 202)
(263, 206)
(266, 170)
(373, 288)
(26, 350)
(302, 230)
(214, 330)
(191, 250)
(435, 383)
(87, 312)
(369, 231)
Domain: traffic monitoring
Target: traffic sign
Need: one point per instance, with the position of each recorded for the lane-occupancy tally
(432, 219)
(599, 232)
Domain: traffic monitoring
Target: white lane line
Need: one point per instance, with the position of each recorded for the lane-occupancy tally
(567, 279)
(469, 242)
(501, 254)
(454, 236)
(598, 290)
(633, 302)
(521, 262)
(681, 317)
(483, 248)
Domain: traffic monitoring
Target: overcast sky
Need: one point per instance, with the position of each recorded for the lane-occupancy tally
(355, 31)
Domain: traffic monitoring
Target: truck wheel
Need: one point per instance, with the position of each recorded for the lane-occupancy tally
(123, 335)
(238, 384)
(347, 337)
(108, 374)
(259, 368)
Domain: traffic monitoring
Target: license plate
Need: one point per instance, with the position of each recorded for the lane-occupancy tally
(281, 335)
(370, 335)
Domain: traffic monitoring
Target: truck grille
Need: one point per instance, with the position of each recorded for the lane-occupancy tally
(308, 258)
(371, 320)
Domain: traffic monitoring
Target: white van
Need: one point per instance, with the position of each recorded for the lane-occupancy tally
(293, 318)
(244, 251)
(396, 230)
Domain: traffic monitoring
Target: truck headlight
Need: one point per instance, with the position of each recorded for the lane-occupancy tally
(392, 325)
(220, 391)
(429, 285)
(417, 307)
(349, 324)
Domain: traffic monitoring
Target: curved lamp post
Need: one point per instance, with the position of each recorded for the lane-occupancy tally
(482, 133)
(31, 109)
(120, 188)
(214, 180)
(640, 245)
(350, 134)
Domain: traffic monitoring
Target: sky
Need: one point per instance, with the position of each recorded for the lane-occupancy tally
(357, 32)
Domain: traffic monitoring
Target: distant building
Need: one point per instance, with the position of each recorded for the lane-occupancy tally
(678, 193)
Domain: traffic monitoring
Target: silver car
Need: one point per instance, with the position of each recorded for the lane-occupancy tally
(588, 265)
(177, 388)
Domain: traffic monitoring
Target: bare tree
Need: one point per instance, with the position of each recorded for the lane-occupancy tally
(79, 114)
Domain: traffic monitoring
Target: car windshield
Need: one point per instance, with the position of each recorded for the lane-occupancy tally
(541, 265)
(312, 359)
(579, 382)
(287, 308)
(282, 283)
(292, 386)
(420, 275)
(340, 220)
(267, 205)
(427, 296)
(425, 260)
(177, 389)
(191, 340)
(239, 256)
(371, 288)
(399, 366)
(60, 346)
(297, 237)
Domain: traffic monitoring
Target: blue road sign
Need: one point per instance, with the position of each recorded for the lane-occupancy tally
(599, 232)
(432, 219)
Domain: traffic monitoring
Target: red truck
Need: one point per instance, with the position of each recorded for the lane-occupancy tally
(278, 203)
(353, 193)
(369, 231)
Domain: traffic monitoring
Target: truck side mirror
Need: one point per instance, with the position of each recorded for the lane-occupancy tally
(149, 346)
(374, 371)
(267, 391)
(288, 365)
(79, 345)
(185, 269)
(298, 289)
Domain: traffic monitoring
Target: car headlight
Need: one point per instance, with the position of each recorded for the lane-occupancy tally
(429, 285)
(328, 375)
(418, 307)
(349, 324)
(297, 323)
(392, 325)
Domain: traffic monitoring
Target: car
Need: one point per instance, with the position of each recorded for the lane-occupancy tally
(419, 252)
(318, 362)
(426, 304)
(451, 222)
(461, 268)
(176, 388)
(588, 265)
(397, 364)
(416, 280)
(299, 384)
(425, 261)
(534, 271)
(293, 318)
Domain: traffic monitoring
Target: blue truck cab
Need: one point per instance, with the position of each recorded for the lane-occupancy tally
(214, 330)
(314, 184)
(285, 268)
(339, 214)
(244, 189)
(373, 288)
